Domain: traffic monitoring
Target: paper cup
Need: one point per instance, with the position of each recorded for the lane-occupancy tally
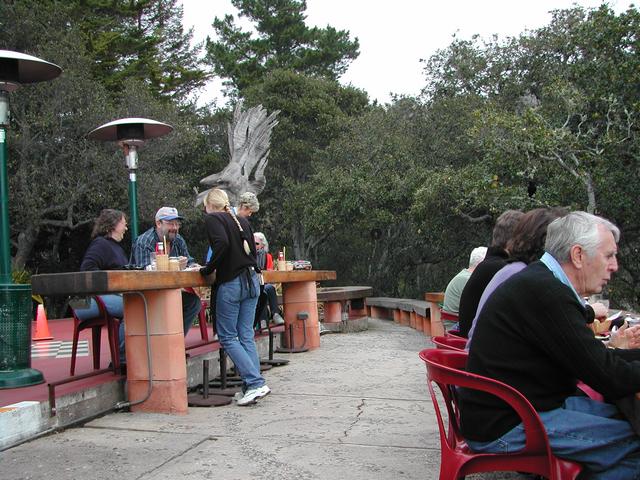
(282, 266)
(162, 262)
(174, 264)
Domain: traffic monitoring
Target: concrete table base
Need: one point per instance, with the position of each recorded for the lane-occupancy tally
(297, 298)
(169, 373)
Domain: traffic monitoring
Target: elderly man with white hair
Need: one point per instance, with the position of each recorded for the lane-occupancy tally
(532, 334)
(456, 285)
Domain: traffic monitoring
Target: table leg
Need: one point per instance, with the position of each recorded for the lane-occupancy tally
(301, 297)
(169, 372)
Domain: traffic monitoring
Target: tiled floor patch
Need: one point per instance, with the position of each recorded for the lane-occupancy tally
(58, 349)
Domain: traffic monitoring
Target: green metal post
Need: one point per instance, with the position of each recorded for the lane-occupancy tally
(15, 300)
(133, 205)
(5, 254)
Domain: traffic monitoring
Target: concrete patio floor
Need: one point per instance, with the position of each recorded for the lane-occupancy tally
(355, 409)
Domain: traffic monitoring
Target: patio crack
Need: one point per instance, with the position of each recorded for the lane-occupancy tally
(360, 408)
(177, 455)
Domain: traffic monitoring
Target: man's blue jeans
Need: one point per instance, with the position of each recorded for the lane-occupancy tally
(236, 302)
(191, 306)
(272, 297)
(583, 430)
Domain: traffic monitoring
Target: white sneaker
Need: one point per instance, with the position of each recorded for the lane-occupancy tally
(238, 395)
(277, 319)
(254, 394)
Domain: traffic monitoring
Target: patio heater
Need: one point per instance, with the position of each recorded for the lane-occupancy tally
(131, 134)
(15, 300)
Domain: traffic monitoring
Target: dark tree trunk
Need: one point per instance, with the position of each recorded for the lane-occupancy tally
(26, 241)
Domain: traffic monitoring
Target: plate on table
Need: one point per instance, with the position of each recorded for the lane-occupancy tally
(615, 315)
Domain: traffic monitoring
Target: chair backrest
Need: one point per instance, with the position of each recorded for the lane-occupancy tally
(452, 317)
(450, 343)
(446, 369)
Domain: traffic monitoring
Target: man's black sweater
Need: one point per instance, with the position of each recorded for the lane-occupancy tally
(532, 335)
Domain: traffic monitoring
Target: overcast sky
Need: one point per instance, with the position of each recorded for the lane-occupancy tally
(394, 35)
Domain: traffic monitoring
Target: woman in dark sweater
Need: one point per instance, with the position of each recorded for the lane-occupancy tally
(237, 288)
(105, 253)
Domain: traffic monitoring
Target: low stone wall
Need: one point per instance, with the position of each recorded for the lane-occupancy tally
(406, 311)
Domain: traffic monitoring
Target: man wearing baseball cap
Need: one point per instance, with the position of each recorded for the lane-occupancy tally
(167, 226)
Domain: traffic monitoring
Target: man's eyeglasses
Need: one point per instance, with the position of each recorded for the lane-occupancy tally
(172, 223)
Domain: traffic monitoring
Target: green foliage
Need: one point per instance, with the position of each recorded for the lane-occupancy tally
(141, 39)
(282, 41)
(359, 201)
(552, 117)
(59, 180)
(394, 197)
(312, 112)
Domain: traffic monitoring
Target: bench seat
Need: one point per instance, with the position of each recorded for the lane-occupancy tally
(344, 308)
(406, 311)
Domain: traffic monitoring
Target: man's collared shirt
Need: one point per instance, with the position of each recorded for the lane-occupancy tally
(553, 265)
(146, 243)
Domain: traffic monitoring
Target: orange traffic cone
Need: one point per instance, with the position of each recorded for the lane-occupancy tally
(42, 325)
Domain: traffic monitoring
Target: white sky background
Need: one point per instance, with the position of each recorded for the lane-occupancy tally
(394, 35)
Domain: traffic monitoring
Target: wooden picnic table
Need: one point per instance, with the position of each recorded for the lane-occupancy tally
(160, 291)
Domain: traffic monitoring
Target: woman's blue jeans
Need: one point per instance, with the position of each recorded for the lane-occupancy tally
(236, 302)
(115, 308)
(583, 430)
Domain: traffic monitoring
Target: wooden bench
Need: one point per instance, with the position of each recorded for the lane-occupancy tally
(406, 311)
(344, 308)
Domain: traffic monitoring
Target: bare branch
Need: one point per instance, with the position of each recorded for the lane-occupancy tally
(480, 219)
(65, 223)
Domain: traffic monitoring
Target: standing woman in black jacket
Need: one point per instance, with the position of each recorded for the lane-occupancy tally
(237, 289)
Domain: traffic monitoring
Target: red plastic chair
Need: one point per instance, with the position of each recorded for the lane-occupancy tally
(446, 369)
(452, 317)
(202, 320)
(202, 316)
(103, 319)
(450, 343)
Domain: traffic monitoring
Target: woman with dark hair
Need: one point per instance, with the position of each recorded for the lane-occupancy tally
(237, 288)
(105, 253)
(525, 246)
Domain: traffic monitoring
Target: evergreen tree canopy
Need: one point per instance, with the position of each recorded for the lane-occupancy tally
(282, 41)
(142, 39)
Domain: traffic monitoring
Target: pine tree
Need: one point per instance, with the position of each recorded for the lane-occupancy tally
(283, 41)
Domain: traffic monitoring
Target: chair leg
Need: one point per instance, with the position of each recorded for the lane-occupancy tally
(74, 347)
(114, 347)
(202, 320)
(96, 337)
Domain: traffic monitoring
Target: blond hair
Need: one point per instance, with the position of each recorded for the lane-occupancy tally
(217, 199)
